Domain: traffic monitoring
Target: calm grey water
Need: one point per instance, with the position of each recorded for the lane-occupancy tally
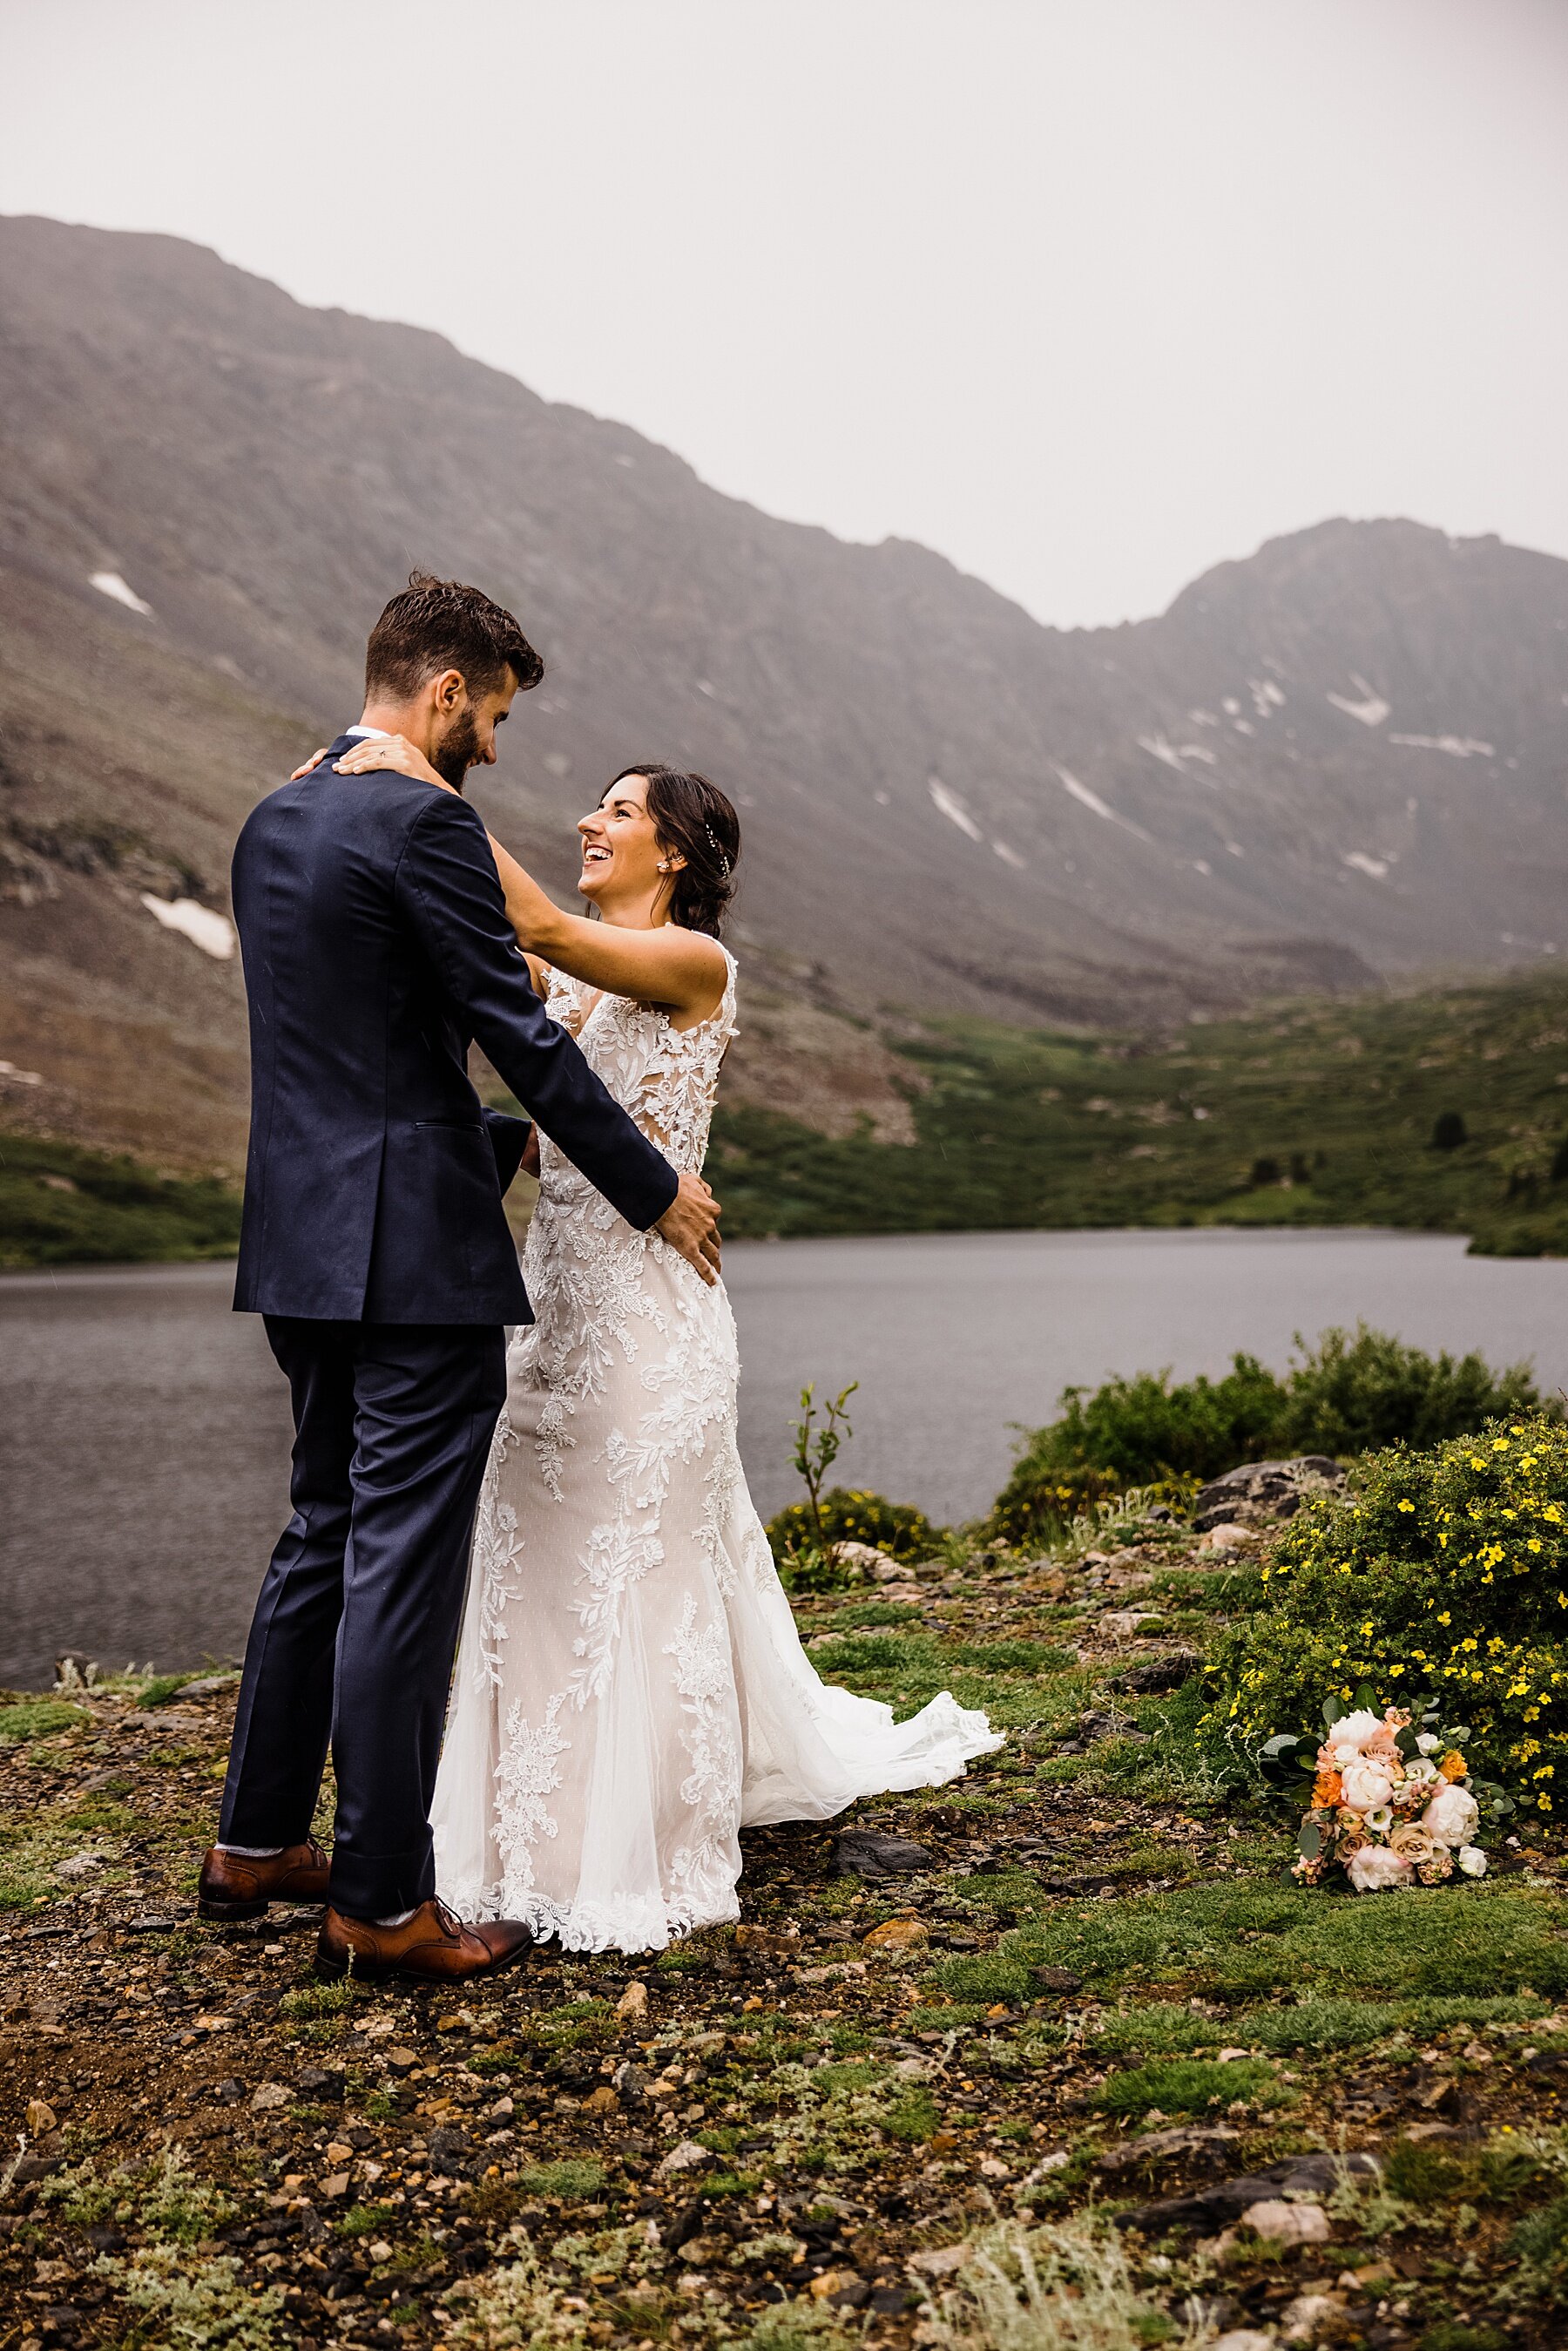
(143, 1430)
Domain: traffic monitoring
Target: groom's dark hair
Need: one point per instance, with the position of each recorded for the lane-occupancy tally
(439, 625)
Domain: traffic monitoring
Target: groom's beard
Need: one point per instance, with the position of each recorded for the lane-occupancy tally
(457, 751)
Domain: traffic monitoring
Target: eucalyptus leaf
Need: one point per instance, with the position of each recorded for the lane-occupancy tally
(1309, 1841)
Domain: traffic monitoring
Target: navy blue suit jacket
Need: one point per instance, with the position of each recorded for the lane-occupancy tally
(376, 946)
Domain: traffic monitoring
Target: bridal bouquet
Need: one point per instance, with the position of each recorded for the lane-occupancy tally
(1389, 1797)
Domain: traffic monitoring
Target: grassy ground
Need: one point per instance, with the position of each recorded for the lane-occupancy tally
(60, 1204)
(1093, 1995)
(1315, 1114)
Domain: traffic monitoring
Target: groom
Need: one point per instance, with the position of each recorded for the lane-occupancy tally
(374, 1242)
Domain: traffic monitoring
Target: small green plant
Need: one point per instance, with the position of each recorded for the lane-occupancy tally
(162, 1688)
(317, 2000)
(194, 2303)
(816, 1449)
(364, 2221)
(1067, 2286)
(571, 2181)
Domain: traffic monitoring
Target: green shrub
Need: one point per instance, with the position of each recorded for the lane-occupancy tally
(1136, 1432)
(1346, 1395)
(852, 1515)
(1442, 1570)
(1356, 1395)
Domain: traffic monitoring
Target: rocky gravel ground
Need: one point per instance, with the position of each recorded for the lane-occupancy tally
(1068, 2007)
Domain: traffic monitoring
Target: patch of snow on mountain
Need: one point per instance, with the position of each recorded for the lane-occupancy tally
(1375, 867)
(953, 808)
(212, 931)
(1458, 746)
(1198, 751)
(1009, 855)
(1092, 800)
(109, 583)
(1235, 849)
(1266, 696)
(1159, 748)
(1372, 710)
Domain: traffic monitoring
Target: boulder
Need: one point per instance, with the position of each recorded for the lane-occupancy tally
(1263, 1490)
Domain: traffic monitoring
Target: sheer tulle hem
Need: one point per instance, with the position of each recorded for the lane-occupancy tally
(630, 1922)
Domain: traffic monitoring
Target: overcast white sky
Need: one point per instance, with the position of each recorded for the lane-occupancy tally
(1088, 294)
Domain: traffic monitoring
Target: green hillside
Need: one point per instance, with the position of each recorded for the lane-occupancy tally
(1316, 1113)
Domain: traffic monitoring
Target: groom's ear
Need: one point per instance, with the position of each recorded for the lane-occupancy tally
(448, 690)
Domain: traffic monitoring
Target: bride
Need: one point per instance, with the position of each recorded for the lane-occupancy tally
(630, 1689)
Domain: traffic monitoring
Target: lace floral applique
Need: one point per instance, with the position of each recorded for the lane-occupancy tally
(704, 1677)
(527, 1772)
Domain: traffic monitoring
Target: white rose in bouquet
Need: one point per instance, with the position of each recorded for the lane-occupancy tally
(1351, 1733)
(1427, 1743)
(1365, 1785)
(1471, 1860)
(1452, 1816)
(1375, 1868)
(1419, 1770)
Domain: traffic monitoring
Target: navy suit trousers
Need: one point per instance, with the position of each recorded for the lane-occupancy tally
(354, 1631)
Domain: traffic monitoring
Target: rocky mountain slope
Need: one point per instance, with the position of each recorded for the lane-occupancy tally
(1344, 756)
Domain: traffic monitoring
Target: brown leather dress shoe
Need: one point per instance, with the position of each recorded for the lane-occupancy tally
(432, 1947)
(240, 1886)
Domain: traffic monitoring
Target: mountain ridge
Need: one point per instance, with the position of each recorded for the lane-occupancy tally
(1340, 758)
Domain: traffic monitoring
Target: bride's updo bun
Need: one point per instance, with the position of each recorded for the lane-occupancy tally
(697, 821)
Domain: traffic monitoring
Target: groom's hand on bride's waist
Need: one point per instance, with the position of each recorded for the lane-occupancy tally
(690, 1226)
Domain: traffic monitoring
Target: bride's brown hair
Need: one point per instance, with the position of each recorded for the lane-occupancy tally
(694, 817)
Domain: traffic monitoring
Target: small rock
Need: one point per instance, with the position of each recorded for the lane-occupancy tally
(861, 1853)
(380, 2250)
(687, 2156)
(1161, 2146)
(402, 2061)
(841, 2288)
(863, 1559)
(1231, 2057)
(1243, 2338)
(991, 2167)
(896, 1935)
(1124, 1624)
(228, 2093)
(633, 2001)
(79, 1864)
(602, 2101)
(943, 2261)
(1057, 1979)
(337, 2151)
(268, 2095)
(1288, 2224)
(1229, 1536)
(40, 2117)
(1315, 2318)
(210, 1686)
(336, 2184)
(769, 1940)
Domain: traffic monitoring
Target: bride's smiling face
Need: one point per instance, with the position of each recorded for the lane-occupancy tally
(621, 851)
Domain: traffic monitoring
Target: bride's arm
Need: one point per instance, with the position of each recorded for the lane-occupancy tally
(680, 970)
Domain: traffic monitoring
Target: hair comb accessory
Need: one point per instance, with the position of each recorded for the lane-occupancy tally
(718, 851)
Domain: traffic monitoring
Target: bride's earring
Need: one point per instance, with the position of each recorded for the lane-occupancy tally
(664, 864)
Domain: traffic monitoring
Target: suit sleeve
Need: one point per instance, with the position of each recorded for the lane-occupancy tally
(508, 1141)
(449, 890)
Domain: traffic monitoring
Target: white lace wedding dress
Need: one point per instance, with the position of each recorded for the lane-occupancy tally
(630, 1687)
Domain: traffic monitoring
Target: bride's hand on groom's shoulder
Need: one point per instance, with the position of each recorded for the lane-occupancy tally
(690, 1226)
(373, 755)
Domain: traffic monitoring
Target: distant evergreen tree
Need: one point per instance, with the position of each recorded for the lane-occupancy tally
(1560, 1161)
(1449, 1131)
